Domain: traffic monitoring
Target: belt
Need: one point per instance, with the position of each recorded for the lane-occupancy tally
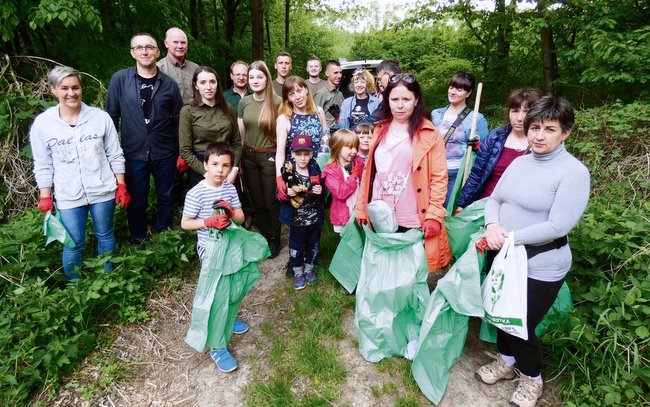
(259, 150)
(534, 250)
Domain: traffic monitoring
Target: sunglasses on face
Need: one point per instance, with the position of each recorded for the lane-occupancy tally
(408, 78)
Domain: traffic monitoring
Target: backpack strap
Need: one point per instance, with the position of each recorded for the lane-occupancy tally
(461, 116)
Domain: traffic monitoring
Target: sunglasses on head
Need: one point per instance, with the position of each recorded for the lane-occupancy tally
(408, 78)
(358, 71)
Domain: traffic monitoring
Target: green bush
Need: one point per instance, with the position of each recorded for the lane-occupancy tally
(605, 357)
(46, 324)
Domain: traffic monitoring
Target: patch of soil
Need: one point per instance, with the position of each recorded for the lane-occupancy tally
(163, 371)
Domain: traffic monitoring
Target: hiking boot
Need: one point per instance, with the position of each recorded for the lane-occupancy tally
(527, 393)
(310, 277)
(495, 371)
(223, 359)
(274, 245)
(298, 282)
(240, 327)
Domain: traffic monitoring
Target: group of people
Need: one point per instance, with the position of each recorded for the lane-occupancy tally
(383, 145)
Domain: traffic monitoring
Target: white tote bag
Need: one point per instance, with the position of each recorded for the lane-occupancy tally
(504, 290)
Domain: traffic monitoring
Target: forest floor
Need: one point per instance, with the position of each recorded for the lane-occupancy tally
(149, 364)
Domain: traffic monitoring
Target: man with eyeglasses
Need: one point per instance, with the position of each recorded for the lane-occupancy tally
(330, 97)
(146, 103)
(239, 89)
(385, 70)
(175, 64)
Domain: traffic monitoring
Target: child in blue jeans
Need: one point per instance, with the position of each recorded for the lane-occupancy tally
(197, 215)
(303, 212)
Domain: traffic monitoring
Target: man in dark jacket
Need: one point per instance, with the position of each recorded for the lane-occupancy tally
(147, 103)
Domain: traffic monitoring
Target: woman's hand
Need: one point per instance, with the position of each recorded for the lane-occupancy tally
(291, 192)
(495, 235)
(317, 189)
(431, 228)
(122, 197)
(45, 204)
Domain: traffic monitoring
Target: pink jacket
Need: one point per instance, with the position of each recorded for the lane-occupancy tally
(341, 190)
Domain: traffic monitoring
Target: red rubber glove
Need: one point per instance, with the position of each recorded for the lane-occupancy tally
(282, 188)
(122, 196)
(181, 164)
(458, 210)
(45, 204)
(225, 206)
(431, 228)
(354, 171)
(219, 221)
(476, 144)
(481, 245)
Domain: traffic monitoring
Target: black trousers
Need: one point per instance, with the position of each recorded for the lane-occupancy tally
(528, 354)
(259, 176)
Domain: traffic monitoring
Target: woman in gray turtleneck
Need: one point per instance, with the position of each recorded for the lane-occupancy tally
(540, 197)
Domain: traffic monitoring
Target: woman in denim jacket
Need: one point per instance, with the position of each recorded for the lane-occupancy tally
(460, 89)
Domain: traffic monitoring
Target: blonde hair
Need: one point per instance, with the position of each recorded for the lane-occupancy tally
(370, 81)
(342, 138)
(266, 122)
(286, 108)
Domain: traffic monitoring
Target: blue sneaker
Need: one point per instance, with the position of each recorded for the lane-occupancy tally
(224, 360)
(310, 277)
(298, 282)
(240, 327)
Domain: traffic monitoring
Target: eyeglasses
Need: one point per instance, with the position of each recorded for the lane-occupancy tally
(379, 77)
(140, 48)
(408, 78)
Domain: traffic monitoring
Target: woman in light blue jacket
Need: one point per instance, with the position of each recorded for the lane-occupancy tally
(456, 139)
(356, 108)
(78, 161)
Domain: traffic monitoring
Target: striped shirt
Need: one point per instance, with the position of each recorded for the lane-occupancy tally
(198, 205)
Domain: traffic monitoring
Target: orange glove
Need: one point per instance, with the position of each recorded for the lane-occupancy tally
(282, 188)
(225, 206)
(122, 196)
(219, 221)
(481, 245)
(181, 164)
(431, 228)
(45, 204)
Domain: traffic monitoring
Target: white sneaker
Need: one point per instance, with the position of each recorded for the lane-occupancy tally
(527, 393)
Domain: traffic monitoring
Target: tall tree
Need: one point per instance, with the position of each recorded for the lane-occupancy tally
(257, 30)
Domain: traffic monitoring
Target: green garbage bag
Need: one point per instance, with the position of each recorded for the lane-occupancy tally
(228, 272)
(463, 225)
(54, 230)
(391, 294)
(458, 184)
(346, 263)
(444, 328)
(557, 316)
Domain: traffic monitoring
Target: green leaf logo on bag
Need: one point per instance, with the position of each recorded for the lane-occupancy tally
(497, 284)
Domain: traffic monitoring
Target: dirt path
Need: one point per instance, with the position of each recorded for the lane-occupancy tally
(163, 371)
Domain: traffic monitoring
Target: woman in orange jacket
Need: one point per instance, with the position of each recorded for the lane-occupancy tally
(407, 168)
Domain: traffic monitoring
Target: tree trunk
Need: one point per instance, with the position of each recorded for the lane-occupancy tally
(287, 4)
(549, 58)
(194, 26)
(257, 30)
(268, 33)
(230, 11)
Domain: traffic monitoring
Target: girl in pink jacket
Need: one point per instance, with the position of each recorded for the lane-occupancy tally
(342, 174)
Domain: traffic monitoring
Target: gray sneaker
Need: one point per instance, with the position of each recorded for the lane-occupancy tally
(495, 371)
(527, 393)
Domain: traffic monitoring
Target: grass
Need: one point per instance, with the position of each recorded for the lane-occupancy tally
(303, 363)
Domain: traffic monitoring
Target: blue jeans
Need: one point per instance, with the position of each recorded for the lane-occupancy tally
(303, 244)
(137, 177)
(451, 180)
(74, 220)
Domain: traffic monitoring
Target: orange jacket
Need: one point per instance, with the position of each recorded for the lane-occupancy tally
(430, 183)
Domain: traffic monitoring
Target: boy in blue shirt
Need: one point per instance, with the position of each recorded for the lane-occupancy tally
(304, 211)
